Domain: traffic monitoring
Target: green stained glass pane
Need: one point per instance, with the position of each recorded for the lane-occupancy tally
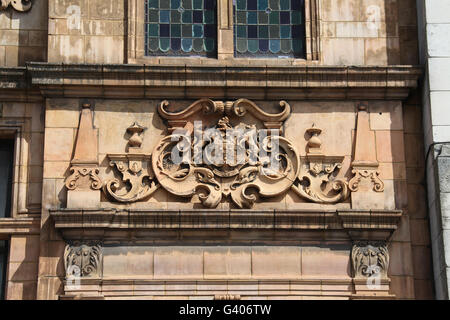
(241, 45)
(274, 32)
(153, 4)
(285, 4)
(263, 32)
(274, 4)
(297, 45)
(263, 17)
(242, 31)
(153, 16)
(285, 32)
(209, 17)
(263, 4)
(209, 44)
(198, 45)
(241, 4)
(296, 17)
(175, 16)
(252, 17)
(253, 45)
(286, 45)
(153, 44)
(164, 4)
(186, 17)
(186, 4)
(164, 44)
(274, 17)
(198, 4)
(153, 30)
(175, 30)
(241, 17)
(171, 31)
(186, 31)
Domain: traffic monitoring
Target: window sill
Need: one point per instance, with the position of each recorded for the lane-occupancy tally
(196, 61)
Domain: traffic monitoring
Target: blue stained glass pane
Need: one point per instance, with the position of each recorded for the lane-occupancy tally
(274, 45)
(209, 16)
(296, 17)
(209, 30)
(274, 17)
(263, 45)
(164, 4)
(175, 44)
(153, 30)
(197, 30)
(241, 17)
(252, 4)
(296, 4)
(164, 44)
(153, 16)
(164, 16)
(297, 45)
(186, 45)
(296, 31)
(186, 31)
(197, 16)
(175, 4)
(263, 32)
(286, 46)
(285, 17)
(263, 4)
(208, 4)
(153, 44)
(285, 32)
(252, 31)
(252, 17)
(164, 30)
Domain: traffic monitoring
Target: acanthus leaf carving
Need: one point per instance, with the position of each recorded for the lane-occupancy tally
(83, 260)
(369, 259)
(19, 5)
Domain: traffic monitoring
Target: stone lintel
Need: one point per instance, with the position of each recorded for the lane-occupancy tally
(21, 226)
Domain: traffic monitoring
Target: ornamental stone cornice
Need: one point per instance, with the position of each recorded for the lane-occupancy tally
(253, 82)
(111, 224)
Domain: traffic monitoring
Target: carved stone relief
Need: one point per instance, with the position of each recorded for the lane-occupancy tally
(316, 181)
(369, 259)
(83, 260)
(138, 181)
(19, 5)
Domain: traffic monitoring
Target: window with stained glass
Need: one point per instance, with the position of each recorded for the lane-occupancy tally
(269, 28)
(180, 28)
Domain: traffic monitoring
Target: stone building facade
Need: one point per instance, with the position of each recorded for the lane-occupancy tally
(95, 93)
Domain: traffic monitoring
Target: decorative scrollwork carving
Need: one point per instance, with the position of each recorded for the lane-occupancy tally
(137, 181)
(75, 181)
(366, 173)
(83, 260)
(314, 183)
(370, 258)
(242, 168)
(19, 5)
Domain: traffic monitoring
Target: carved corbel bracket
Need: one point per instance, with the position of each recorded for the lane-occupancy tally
(370, 259)
(18, 5)
(315, 180)
(84, 178)
(83, 260)
(367, 172)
